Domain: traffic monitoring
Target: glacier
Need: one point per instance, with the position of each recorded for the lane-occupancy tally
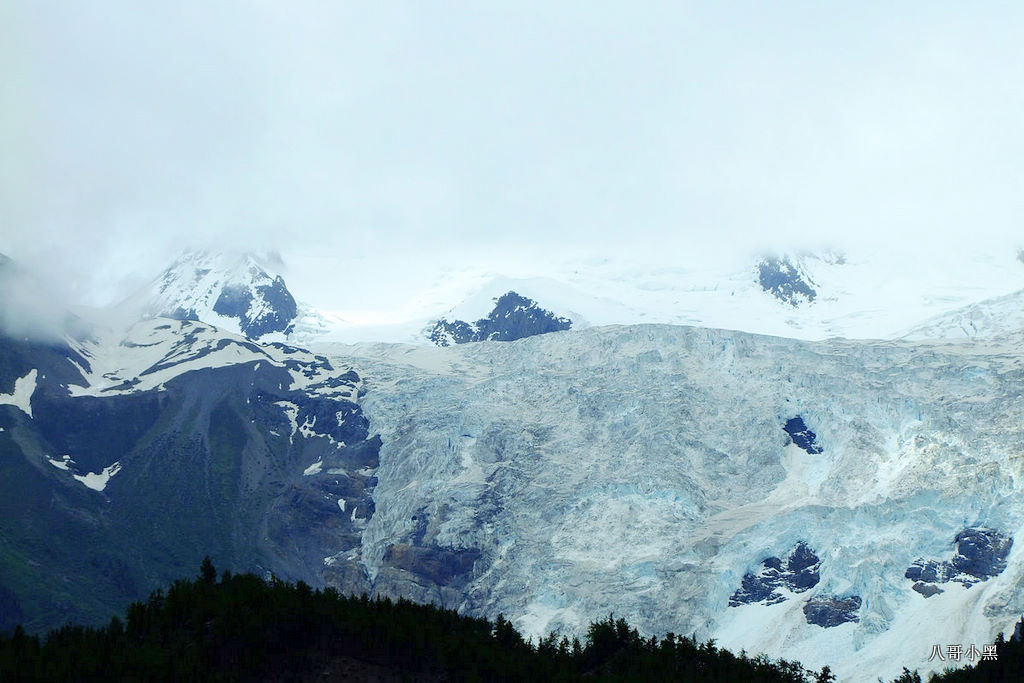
(645, 470)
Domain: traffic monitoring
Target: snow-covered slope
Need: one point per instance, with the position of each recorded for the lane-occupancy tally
(863, 294)
(989, 318)
(152, 351)
(801, 294)
(238, 292)
(647, 470)
(234, 292)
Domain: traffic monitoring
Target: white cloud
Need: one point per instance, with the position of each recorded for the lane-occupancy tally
(407, 128)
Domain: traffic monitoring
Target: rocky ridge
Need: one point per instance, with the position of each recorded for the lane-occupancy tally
(513, 317)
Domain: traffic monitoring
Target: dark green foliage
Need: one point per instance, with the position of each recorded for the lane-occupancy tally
(207, 572)
(243, 628)
(825, 676)
(1008, 666)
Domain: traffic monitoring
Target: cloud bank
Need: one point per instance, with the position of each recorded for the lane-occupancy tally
(384, 130)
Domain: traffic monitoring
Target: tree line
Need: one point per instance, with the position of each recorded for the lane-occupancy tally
(239, 627)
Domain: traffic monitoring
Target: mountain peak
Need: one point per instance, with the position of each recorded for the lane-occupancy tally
(788, 282)
(514, 317)
(233, 291)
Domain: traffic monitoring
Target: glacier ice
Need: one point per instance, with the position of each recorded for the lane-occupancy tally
(644, 470)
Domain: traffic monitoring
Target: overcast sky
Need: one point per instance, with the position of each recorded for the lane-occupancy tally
(385, 130)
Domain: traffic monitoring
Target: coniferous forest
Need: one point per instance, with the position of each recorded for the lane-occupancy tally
(239, 627)
(242, 628)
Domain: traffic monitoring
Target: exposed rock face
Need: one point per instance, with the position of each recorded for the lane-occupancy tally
(929, 571)
(134, 458)
(830, 611)
(234, 292)
(802, 436)
(926, 589)
(979, 555)
(443, 566)
(260, 309)
(786, 282)
(514, 317)
(798, 573)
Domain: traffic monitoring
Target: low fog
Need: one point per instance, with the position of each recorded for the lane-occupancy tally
(32, 307)
(380, 139)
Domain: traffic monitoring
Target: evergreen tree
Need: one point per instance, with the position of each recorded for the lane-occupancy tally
(207, 571)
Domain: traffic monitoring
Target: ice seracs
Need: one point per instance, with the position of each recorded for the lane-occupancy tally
(989, 318)
(646, 470)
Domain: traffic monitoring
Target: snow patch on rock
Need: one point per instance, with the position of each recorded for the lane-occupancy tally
(97, 481)
(21, 397)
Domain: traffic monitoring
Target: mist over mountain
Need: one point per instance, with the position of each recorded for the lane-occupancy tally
(33, 307)
(810, 500)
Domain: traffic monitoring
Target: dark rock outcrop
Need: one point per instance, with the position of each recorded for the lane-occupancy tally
(927, 589)
(798, 573)
(929, 571)
(802, 436)
(979, 555)
(275, 315)
(443, 566)
(830, 611)
(786, 282)
(514, 317)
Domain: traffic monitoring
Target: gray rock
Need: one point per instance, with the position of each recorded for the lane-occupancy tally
(830, 611)
(802, 435)
(513, 317)
(979, 554)
(798, 573)
(786, 282)
(927, 589)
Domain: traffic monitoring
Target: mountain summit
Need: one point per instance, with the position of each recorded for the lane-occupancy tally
(232, 291)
